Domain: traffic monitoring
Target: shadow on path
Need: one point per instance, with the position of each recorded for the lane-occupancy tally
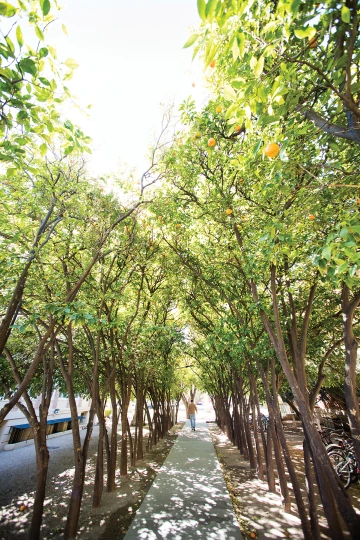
(188, 498)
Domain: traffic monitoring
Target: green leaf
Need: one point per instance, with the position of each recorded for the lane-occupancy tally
(7, 10)
(43, 52)
(257, 147)
(191, 40)
(210, 9)
(326, 253)
(305, 32)
(342, 268)
(10, 44)
(209, 52)
(11, 172)
(52, 51)
(28, 66)
(294, 6)
(201, 5)
(45, 6)
(19, 36)
(68, 150)
(71, 63)
(68, 125)
(43, 149)
(39, 33)
(44, 81)
(229, 92)
(253, 62)
(345, 14)
(259, 68)
(235, 49)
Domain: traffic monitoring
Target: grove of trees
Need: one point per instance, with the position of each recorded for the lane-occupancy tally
(235, 255)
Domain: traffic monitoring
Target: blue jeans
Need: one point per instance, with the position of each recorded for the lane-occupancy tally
(192, 421)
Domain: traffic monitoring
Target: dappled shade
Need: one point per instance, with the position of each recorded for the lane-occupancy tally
(189, 498)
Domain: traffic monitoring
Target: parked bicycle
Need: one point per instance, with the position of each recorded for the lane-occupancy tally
(340, 448)
(264, 420)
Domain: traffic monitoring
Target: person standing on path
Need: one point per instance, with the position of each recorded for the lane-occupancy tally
(192, 410)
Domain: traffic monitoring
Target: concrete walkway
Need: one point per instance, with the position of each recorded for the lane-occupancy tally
(188, 499)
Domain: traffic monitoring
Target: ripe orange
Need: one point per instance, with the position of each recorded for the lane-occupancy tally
(229, 211)
(212, 63)
(219, 109)
(358, 200)
(22, 508)
(311, 217)
(272, 150)
(178, 225)
(237, 128)
(313, 42)
(211, 142)
(253, 534)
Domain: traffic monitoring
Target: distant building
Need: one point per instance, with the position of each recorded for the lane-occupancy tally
(15, 431)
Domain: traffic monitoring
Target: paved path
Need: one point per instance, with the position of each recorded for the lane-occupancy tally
(188, 499)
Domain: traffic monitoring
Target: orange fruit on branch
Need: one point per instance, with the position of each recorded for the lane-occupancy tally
(219, 109)
(212, 63)
(311, 217)
(272, 150)
(237, 128)
(313, 42)
(229, 211)
(211, 142)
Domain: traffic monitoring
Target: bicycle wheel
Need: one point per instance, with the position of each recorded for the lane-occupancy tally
(342, 466)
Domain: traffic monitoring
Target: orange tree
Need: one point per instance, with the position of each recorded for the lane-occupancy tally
(272, 219)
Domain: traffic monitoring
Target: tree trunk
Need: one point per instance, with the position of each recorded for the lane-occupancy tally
(111, 485)
(351, 346)
(123, 451)
(99, 468)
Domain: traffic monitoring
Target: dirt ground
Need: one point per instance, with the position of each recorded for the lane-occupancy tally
(110, 521)
(260, 513)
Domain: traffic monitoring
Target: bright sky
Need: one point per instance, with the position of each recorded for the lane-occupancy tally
(131, 60)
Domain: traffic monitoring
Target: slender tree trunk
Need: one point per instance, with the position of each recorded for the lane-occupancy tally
(260, 466)
(279, 461)
(123, 451)
(42, 464)
(111, 485)
(99, 468)
(314, 521)
(351, 346)
(140, 421)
